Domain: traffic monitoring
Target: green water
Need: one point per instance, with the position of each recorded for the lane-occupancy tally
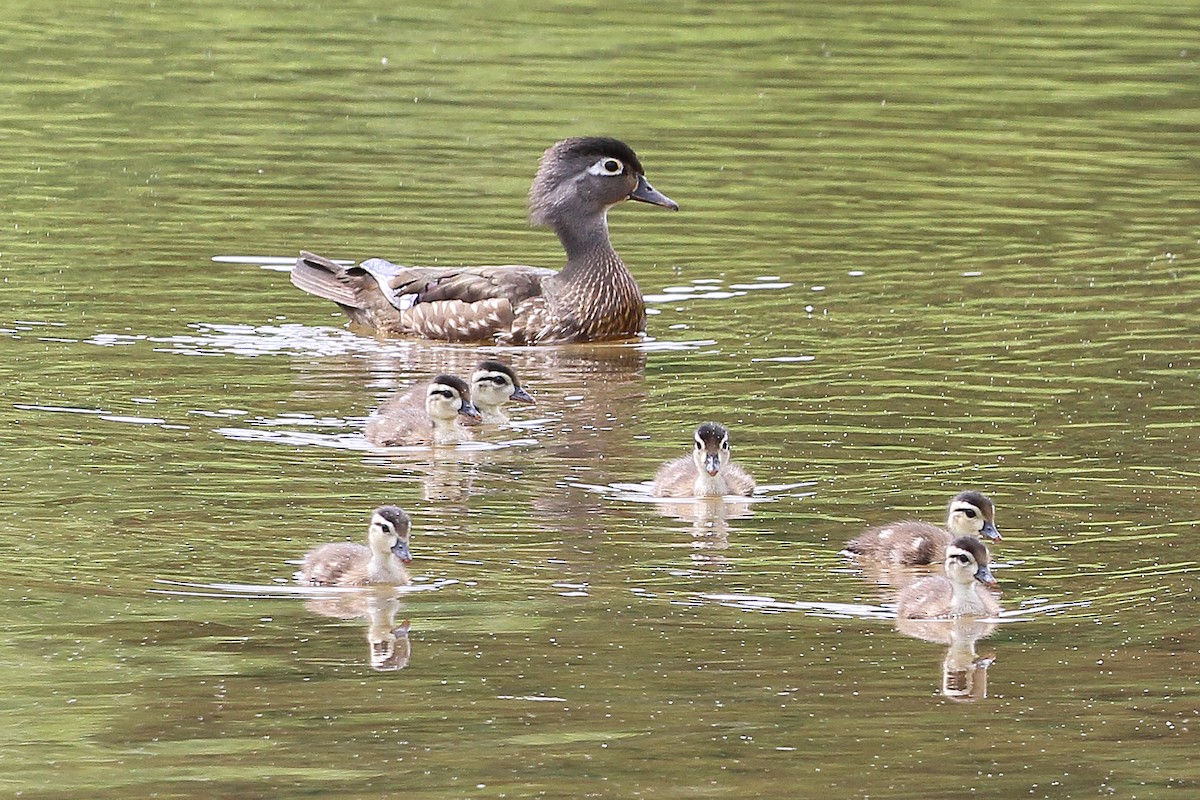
(922, 247)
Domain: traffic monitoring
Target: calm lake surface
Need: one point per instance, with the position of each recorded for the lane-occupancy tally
(922, 247)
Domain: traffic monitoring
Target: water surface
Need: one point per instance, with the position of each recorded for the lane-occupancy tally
(921, 248)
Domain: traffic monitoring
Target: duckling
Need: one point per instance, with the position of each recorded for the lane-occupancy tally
(382, 561)
(707, 472)
(425, 415)
(970, 513)
(492, 385)
(960, 592)
(593, 298)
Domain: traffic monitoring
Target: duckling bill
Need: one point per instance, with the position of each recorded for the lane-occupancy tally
(593, 298)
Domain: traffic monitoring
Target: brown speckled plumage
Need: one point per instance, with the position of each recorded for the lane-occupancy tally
(910, 542)
(381, 561)
(593, 298)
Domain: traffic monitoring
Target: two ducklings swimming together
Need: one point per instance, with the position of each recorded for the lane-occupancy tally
(444, 410)
(963, 588)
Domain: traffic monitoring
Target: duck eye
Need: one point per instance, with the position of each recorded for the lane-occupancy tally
(725, 444)
(607, 167)
(960, 558)
(699, 445)
(970, 512)
(443, 393)
(386, 527)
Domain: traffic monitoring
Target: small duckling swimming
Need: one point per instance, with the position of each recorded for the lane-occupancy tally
(970, 513)
(960, 592)
(425, 415)
(707, 472)
(492, 385)
(381, 562)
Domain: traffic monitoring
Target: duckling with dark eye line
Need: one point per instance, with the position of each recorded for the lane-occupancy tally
(593, 298)
(909, 542)
(425, 414)
(961, 591)
(382, 561)
(708, 472)
(492, 385)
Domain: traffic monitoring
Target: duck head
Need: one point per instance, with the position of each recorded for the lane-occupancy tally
(389, 531)
(582, 178)
(447, 397)
(972, 513)
(493, 384)
(711, 452)
(967, 560)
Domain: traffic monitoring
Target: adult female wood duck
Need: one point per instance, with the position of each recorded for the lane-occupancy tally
(425, 414)
(492, 385)
(593, 298)
(970, 513)
(381, 561)
(707, 472)
(961, 591)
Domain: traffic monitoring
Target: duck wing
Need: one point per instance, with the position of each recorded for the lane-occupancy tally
(464, 304)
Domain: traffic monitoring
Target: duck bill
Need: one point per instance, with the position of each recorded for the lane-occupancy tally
(648, 194)
(712, 464)
(990, 531)
(470, 414)
(521, 396)
(984, 576)
(400, 551)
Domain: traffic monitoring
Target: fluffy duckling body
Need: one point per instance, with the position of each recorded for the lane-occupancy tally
(425, 414)
(909, 542)
(708, 472)
(381, 562)
(492, 385)
(593, 298)
(960, 592)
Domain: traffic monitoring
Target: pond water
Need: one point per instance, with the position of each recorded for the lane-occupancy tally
(922, 247)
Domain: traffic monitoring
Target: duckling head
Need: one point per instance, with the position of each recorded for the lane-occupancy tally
(584, 177)
(967, 560)
(447, 397)
(711, 452)
(493, 384)
(389, 531)
(972, 513)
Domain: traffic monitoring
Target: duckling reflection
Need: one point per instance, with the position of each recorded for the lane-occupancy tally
(425, 414)
(970, 513)
(388, 645)
(709, 518)
(964, 672)
(708, 472)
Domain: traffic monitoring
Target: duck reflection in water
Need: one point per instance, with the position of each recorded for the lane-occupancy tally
(709, 518)
(964, 672)
(388, 645)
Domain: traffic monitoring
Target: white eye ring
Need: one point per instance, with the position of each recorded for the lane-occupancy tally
(607, 166)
